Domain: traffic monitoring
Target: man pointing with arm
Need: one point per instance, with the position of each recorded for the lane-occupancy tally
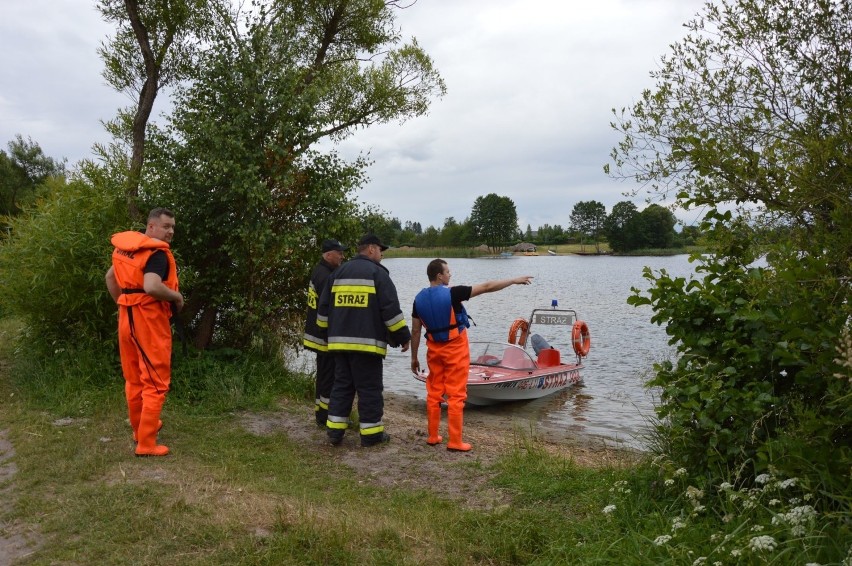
(438, 308)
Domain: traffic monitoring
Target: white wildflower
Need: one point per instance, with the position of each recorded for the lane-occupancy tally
(749, 503)
(736, 552)
(794, 501)
(762, 478)
(680, 472)
(714, 537)
(808, 497)
(662, 539)
(727, 518)
(698, 508)
(608, 509)
(788, 483)
(693, 493)
(717, 563)
(813, 564)
(699, 561)
(774, 502)
(725, 486)
(669, 482)
(677, 524)
(798, 530)
(762, 542)
(801, 514)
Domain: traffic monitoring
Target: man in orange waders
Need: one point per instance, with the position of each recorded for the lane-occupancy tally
(143, 281)
(439, 309)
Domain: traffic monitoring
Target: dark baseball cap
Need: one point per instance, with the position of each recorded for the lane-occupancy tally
(332, 246)
(372, 239)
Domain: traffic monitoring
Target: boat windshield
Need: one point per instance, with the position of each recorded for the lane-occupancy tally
(495, 354)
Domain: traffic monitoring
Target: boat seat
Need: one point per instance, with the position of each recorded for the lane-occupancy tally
(515, 358)
(548, 358)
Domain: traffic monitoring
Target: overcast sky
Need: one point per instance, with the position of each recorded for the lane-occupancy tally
(530, 88)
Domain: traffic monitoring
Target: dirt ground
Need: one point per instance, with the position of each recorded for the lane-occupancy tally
(407, 461)
(15, 541)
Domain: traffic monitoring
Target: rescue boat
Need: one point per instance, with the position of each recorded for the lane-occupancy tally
(509, 371)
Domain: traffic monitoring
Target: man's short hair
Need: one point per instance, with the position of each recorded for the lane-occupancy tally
(156, 213)
(435, 268)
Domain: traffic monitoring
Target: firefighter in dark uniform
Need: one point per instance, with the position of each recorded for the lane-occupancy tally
(332, 257)
(359, 309)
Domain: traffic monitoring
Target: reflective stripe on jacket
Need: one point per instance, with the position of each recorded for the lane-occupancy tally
(359, 309)
(314, 338)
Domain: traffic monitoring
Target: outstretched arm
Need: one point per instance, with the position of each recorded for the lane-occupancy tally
(491, 286)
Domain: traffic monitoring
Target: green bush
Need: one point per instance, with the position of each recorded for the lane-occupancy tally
(53, 264)
(757, 382)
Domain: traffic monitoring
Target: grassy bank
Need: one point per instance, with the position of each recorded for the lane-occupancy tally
(251, 481)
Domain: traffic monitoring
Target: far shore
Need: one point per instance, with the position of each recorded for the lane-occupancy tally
(561, 249)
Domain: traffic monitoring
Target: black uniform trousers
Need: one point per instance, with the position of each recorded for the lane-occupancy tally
(325, 381)
(356, 372)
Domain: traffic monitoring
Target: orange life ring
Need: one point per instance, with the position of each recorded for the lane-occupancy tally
(581, 339)
(522, 327)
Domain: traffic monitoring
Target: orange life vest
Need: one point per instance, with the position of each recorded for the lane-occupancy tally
(132, 251)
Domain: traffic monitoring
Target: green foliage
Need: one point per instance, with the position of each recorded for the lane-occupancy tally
(494, 220)
(755, 381)
(387, 228)
(22, 171)
(588, 221)
(618, 226)
(751, 110)
(236, 163)
(170, 27)
(548, 234)
(52, 267)
(628, 229)
(225, 380)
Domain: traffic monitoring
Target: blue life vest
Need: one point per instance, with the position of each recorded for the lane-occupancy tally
(435, 308)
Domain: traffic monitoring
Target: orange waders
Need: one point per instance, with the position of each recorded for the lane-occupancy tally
(144, 338)
(449, 363)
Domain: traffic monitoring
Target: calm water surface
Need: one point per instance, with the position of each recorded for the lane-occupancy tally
(612, 403)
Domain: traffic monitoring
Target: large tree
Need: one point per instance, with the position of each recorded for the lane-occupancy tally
(617, 226)
(587, 219)
(153, 47)
(751, 110)
(494, 220)
(239, 159)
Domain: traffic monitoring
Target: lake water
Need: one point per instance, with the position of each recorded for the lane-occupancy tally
(611, 404)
